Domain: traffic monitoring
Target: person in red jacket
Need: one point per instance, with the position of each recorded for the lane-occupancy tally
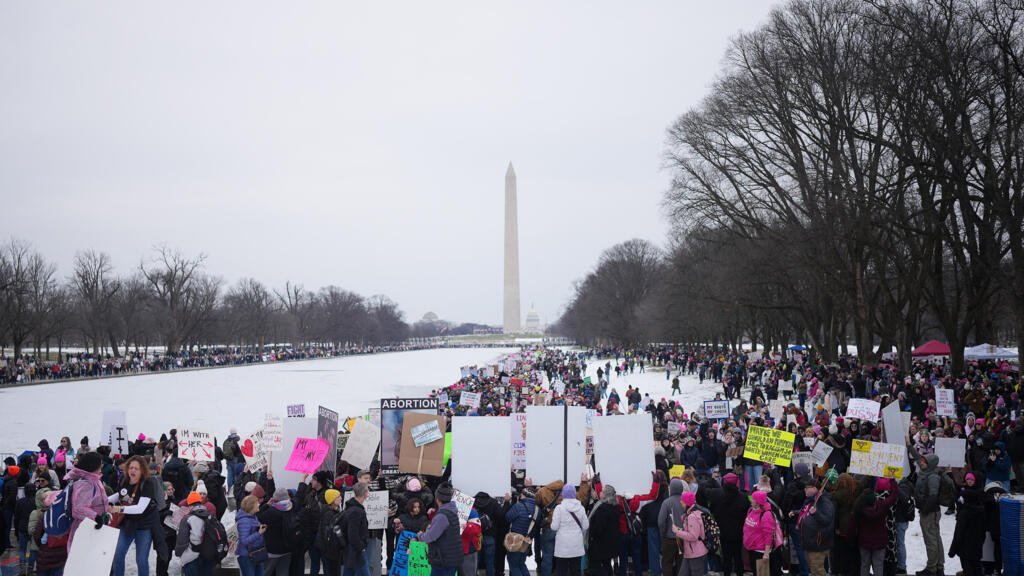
(631, 540)
(869, 513)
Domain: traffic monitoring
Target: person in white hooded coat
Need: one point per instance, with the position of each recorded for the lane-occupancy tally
(569, 521)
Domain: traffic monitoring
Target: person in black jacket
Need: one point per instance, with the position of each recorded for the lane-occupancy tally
(492, 521)
(357, 530)
(604, 539)
(729, 506)
(330, 520)
(277, 517)
(176, 472)
(649, 516)
(310, 497)
(23, 509)
(791, 502)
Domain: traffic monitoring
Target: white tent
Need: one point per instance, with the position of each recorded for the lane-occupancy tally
(988, 352)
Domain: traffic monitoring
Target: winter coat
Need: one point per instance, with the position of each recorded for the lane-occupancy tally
(176, 472)
(569, 535)
(88, 499)
(23, 511)
(10, 492)
(490, 507)
(998, 470)
(215, 492)
(249, 537)
(603, 535)
(817, 531)
(969, 534)
(274, 537)
(671, 509)
(413, 523)
(357, 529)
(758, 530)
(312, 503)
(871, 530)
(691, 532)
(190, 533)
(926, 490)
(633, 503)
(444, 544)
(729, 507)
(519, 517)
(54, 553)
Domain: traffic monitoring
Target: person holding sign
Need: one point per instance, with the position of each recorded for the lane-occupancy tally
(443, 535)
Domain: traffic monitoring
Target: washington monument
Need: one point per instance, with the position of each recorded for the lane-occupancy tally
(512, 317)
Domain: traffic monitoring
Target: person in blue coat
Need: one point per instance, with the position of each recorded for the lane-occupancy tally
(997, 469)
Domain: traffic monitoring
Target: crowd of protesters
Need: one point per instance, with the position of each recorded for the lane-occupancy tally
(724, 513)
(69, 365)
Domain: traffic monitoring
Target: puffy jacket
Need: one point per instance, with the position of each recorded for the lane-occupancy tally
(249, 537)
(519, 517)
(569, 535)
(357, 529)
(88, 499)
(998, 470)
(633, 503)
(443, 538)
(274, 518)
(691, 532)
(871, 529)
(758, 529)
(190, 534)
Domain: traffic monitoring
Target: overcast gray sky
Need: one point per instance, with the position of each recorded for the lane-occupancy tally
(361, 144)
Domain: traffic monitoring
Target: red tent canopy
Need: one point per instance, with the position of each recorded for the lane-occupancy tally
(931, 348)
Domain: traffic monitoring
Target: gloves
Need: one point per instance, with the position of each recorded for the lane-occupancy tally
(101, 520)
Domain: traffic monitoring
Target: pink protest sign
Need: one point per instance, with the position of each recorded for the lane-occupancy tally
(307, 455)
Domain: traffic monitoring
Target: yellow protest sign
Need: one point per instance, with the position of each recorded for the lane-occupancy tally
(877, 459)
(769, 445)
(676, 471)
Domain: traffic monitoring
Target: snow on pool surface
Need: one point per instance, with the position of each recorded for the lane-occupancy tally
(218, 399)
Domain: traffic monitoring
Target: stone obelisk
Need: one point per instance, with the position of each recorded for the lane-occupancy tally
(512, 317)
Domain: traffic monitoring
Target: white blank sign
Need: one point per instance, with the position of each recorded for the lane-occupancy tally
(293, 428)
(557, 441)
(92, 551)
(951, 452)
(622, 452)
(482, 454)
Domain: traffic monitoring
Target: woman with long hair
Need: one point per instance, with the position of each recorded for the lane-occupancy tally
(136, 500)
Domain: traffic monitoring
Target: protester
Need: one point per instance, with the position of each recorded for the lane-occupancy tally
(604, 535)
(136, 501)
(691, 532)
(570, 524)
(443, 535)
(190, 536)
(358, 532)
(282, 535)
(251, 550)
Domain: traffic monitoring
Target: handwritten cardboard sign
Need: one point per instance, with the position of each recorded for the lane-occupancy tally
(877, 459)
(471, 399)
(716, 409)
(863, 409)
(273, 432)
(944, 404)
(307, 455)
(362, 444)
(400, 565)
(195, 445)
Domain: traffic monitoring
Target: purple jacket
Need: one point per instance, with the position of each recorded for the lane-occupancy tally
(249, 537)
(88, 498)
(871, 533)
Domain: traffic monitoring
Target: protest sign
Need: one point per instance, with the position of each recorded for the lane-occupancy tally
(676, 471)
(944, 405)
(464, 506)
(672, 427)
(392, 418)
(376, 505)
(877, 459)
(802, 458)
(622, 452)
(252, 448)
(273, 430)
(442, 399)
(893, 420)
(362, 444)
(518, 438)
(426, 433)
(820, 453)
(327, 430)
(769, 445)
(776, 408)
(296, 410)
(951, 451)
(785, 385)
(863, 409)
(447, 448)
(591, 414)
(716, 409)
(292, 428)
(470, 399)
(400, 565)
(426, 459)
(483, 466)
(115, 431)
(557, 437)
(307, 455)
(418, 564)
(173, 519)
(195, 445)
(92, 551)
(559, 387)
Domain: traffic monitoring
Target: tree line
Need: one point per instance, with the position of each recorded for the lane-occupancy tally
(171, 300)
(854, 175)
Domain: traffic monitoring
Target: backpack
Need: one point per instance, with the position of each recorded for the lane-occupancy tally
(486, 524)
(230, 449)
(947, 490)
(57, 518)
(331, 536)
(292, 529)
(905, 506)
(712, 533)
(633, 524)
(777, 538)
(214, 546)
(159, 494)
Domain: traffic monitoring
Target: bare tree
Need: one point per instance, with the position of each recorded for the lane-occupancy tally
(95, 289)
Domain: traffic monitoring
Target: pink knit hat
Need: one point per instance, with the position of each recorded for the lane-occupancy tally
(688, 499)
(760, 498)
(41, 461)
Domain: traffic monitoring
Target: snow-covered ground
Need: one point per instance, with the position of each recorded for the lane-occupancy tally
(217, 399)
